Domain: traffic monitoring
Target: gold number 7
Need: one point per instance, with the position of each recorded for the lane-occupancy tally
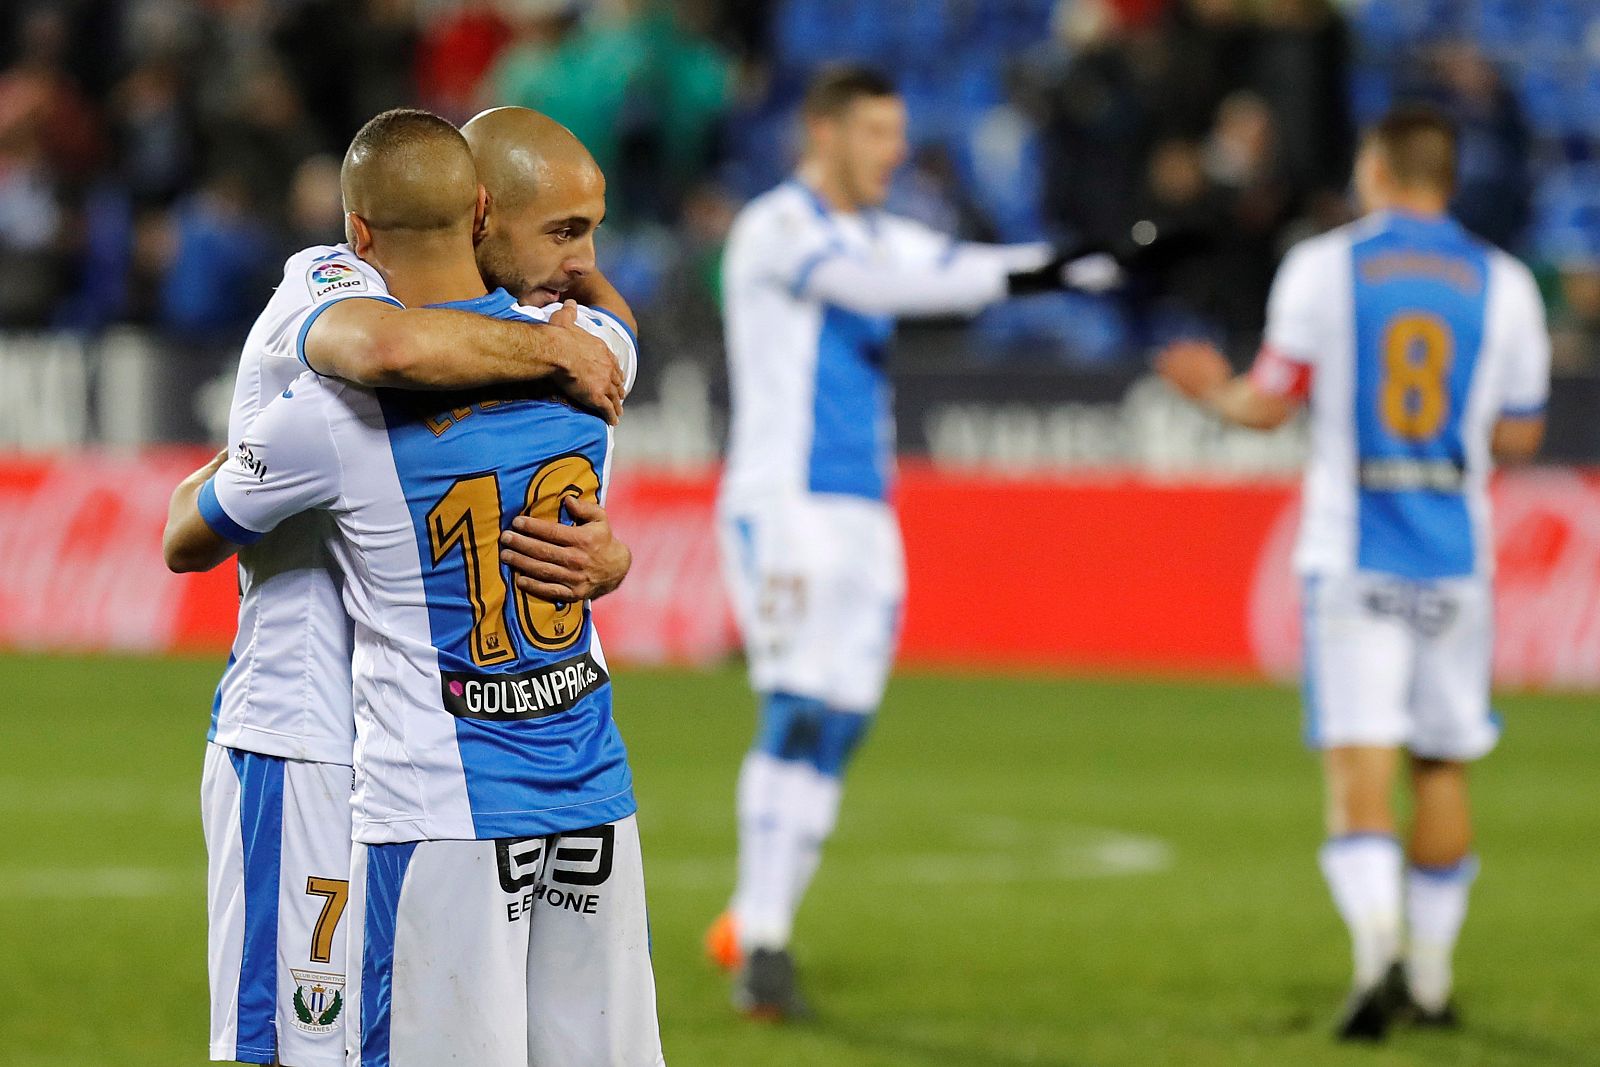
(335, 893)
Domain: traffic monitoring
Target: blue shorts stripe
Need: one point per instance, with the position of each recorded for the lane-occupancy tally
(261, 826)
(386, 875)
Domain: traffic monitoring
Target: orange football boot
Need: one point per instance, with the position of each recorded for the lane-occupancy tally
(722, 943)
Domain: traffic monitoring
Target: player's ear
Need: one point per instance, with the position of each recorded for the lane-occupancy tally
(480, 216)
(357, 234)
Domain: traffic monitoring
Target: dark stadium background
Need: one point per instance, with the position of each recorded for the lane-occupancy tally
(1084, 832)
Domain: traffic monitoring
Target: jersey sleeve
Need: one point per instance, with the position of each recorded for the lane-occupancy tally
(918, 245)
(1525, 339)
(286, 463)
(786, 245)
(1298, 306)
(313, 284)
(621, 340)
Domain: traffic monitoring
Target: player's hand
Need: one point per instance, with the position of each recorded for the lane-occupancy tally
(586, 371)
(1087, 269)
(562, 564)
(1194, 368)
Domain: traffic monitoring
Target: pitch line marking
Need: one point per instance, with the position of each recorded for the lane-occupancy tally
(1036, 856)
(91, 883)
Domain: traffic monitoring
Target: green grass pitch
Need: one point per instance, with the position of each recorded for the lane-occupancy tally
(1028, 871)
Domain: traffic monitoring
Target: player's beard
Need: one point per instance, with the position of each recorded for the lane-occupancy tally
(499, 269)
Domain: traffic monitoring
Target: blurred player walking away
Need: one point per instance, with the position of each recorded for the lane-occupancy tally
(1423, 354)
(815, 276)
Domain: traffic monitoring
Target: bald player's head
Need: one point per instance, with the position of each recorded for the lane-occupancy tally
(408, 174)
(546, 198)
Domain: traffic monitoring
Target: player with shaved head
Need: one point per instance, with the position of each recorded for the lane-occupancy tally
(496, 873)
(546, 198)
(276, 793)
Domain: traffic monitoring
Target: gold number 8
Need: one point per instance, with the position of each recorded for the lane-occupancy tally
(1417, 352)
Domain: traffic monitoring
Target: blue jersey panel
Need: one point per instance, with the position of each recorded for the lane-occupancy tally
(538, 746)
(1420, 300)
(850, 445)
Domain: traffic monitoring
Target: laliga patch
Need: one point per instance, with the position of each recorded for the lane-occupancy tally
(318, 1001)
(333, 277)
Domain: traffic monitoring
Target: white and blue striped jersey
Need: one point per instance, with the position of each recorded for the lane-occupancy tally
(810, 298)
(1416, 337)
(286, 689)
(480, 712)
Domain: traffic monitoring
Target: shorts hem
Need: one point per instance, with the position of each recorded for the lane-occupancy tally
(240, 1054)
(1466, 754)
(1322, 744)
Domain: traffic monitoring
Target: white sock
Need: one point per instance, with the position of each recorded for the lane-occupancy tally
(779, 845)
(815, 813)
(1436, 906)
(760, 895)
(1364, 873)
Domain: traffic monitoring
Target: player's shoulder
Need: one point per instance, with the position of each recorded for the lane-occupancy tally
(789, 210)
(1332, 244)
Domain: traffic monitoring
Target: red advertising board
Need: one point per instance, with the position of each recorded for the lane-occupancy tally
(1083, 573)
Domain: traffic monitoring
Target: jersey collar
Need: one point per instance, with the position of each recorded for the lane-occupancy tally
(487, 304)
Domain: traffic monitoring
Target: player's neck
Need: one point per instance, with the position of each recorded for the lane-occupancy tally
(420, 272)
(1419, 205)
(816, 177)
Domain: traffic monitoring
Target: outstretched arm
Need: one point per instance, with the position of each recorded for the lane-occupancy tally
(970, 278)
(378, 344)
(1262, 400)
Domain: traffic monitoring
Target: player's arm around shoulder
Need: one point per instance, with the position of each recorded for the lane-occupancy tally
(189, 543)
(369, 339)
(286, 463)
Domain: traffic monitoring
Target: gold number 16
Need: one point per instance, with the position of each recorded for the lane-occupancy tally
(468, 517)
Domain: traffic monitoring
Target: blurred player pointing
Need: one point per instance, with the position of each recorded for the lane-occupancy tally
(814, 277)
(1424, 357)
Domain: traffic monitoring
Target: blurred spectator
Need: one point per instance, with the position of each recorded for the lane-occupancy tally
(350, 59)
(577, 74)
(1097, 119)
(316, 206)
(1243, 163)
(1223, 119)
(1575, 323)
(455, 53)
(1205, 56)
(1492, 193)
(221, 267)
(1302, 71)
(268, 138)
(644, 91)
(154, 132)
(38, 93)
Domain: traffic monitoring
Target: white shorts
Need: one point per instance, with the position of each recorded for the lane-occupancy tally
(529, 952)
(1397, 663)
(817, 584)
(278, 878)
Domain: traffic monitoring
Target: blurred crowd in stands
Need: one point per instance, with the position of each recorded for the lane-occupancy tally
(160, 158)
